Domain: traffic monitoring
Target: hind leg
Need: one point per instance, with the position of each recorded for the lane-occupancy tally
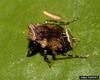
(76, 56)
(76, 41)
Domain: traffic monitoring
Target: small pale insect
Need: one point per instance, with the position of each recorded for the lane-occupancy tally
(55, 17)
(50, 38)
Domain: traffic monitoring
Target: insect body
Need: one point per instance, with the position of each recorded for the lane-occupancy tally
(49, 38)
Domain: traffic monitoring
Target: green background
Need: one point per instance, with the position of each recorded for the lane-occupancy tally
(16, 15)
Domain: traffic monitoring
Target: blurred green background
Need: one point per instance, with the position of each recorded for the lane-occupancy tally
(16, 15)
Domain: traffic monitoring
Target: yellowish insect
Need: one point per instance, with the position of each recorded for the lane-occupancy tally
(55, 17)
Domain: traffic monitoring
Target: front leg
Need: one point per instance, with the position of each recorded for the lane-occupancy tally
(46, 57)
(33, 48)
(31, 52)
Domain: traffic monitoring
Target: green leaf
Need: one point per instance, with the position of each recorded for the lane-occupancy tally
(16, 15)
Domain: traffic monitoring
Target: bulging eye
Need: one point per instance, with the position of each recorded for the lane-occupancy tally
(61, 49)
(35, 43)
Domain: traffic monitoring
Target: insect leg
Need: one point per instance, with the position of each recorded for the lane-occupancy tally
(75, 56)
(71, 21)
(33, 48)
(46, 57)
(76, 41)
(30, 50)
(54, 53)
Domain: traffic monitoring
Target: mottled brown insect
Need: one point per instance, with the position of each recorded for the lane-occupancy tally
(49, 38)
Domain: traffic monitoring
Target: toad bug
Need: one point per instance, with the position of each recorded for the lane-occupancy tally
(50, 38)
